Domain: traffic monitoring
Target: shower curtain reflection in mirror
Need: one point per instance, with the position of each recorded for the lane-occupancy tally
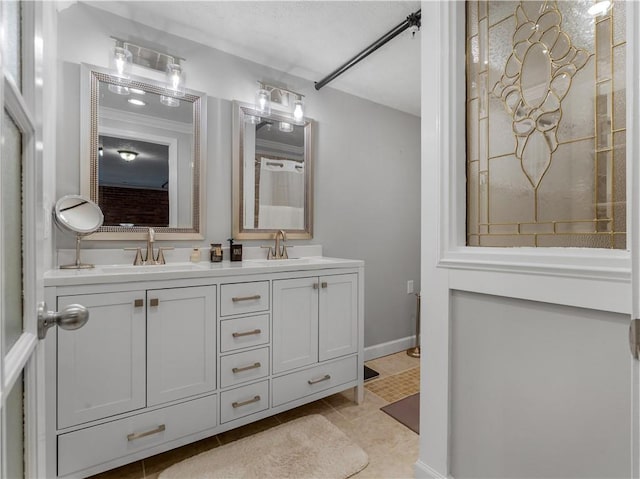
(279, 193)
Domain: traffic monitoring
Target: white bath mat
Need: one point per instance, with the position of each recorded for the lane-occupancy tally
(309, 447)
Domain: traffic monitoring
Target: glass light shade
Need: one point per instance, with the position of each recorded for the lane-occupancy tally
(169, 101)
(286, 127)
(599, 8)
(252, 119)
(175, 79)
(136, 102)
(121, 60)
(298, 111)
(127, 155)
(263, 102)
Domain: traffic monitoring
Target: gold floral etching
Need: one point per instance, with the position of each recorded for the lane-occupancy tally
(536, 110)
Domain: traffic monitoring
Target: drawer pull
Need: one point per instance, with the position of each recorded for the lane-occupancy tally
(236, 299)
(246, 333)
(154, 302)
(316, 285)
(324, 284)
(326, 377)
(138, 303)
(137, 435)
(244, 403)
(246, 368)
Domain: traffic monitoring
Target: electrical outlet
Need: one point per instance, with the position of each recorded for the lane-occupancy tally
(410, 286)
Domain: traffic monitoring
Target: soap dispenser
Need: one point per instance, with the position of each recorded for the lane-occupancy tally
(236, 250)
(195, 255)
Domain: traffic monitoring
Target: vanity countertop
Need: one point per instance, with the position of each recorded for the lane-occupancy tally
(117, 273)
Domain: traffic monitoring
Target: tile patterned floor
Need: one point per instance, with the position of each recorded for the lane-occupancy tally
(397, 386)
(392, 447)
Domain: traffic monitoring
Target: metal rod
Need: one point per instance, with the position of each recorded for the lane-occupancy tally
(413, 19)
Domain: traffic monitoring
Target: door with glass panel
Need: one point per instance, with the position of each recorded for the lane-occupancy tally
(532, 273)
(18, 236)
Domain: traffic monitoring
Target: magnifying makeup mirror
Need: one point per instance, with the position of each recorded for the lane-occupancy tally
(81, 216)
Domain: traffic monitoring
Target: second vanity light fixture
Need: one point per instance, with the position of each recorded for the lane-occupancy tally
(266, 95)
(125, 53)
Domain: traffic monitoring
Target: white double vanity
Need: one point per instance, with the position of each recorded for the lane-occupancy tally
(175, 353)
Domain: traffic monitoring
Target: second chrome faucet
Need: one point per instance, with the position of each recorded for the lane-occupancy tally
(278, 251)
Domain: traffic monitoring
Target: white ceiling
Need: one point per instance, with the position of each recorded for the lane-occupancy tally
(306, 38)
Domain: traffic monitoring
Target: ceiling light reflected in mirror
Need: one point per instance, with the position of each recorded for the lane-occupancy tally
(127, 155)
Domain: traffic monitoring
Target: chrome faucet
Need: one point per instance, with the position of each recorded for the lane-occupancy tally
(281, 253)
(277, 251)
(150, 257)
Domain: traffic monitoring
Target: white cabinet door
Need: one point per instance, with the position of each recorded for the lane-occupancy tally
(101, 366)
(338, 316)
(181, 329)
(295, 323)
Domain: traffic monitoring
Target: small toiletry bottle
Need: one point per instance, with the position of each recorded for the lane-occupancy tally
(215, 254)
(195, 255)
(236, 251)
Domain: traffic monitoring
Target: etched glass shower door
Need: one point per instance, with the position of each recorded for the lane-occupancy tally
(546, 125)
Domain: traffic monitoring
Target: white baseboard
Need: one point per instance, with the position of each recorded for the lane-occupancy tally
(384, 349)
(423, 471)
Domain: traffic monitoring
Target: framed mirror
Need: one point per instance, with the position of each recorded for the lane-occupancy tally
(143, 156)
(272, 175)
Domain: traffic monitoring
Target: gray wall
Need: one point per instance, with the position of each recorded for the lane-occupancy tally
(524, 377)
(367, 170)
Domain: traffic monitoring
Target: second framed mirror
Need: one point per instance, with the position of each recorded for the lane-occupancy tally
(272, 175)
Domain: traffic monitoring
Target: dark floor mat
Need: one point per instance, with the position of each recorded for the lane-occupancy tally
(370, 373)
(406, 411)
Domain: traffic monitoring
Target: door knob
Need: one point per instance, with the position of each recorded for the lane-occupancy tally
(72, 317)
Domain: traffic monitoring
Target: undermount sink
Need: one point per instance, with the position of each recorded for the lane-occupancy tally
(119, 268)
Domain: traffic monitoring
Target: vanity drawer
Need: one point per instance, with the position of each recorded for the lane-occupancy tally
(242, 367)
(240, 298)
(245, 332)
(324, 376)
(95, 445)
(243, 401)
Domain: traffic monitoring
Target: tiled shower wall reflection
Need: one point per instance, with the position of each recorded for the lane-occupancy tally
(546, 124)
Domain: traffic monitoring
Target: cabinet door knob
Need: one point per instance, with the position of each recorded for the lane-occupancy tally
(154, 302)
(316, 285)
(138, 303)
(244, 403)
(324, 284)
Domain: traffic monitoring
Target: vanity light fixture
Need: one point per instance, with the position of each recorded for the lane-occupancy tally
(599, 8)
(298, 111)
(175, 79)
(126, 53)
(127, 155)
(121, 59)
(268, 95)
(263, 101)
(136, 102)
